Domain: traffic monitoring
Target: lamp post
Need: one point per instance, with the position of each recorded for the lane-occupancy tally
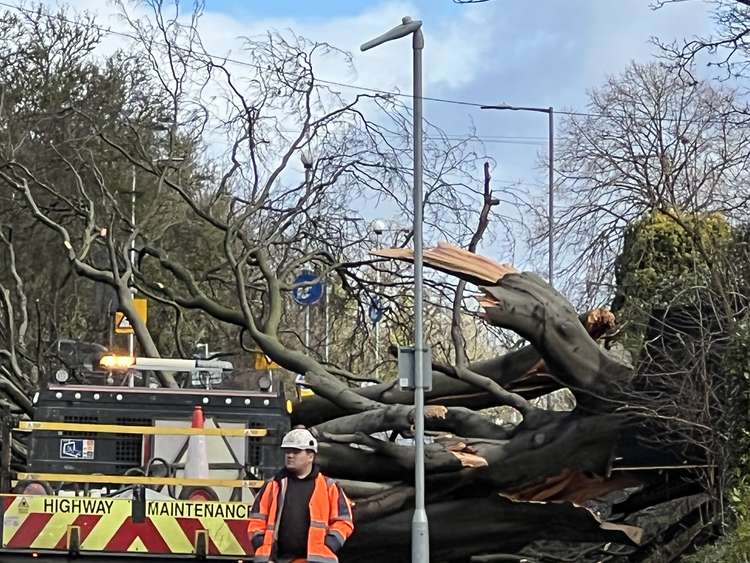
(307, 162)
(420, 544)
(550, 111)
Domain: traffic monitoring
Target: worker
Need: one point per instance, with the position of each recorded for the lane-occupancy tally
(300, 515)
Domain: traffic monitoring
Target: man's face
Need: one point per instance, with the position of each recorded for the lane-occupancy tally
(298, 461)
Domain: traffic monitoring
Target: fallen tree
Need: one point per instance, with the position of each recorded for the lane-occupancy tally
(591, 456)
(556, 485)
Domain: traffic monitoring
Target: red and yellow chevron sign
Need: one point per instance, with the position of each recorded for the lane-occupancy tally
(105, 525)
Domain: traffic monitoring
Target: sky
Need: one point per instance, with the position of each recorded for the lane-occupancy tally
(520, 52)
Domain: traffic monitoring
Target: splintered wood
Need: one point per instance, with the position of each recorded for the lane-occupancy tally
(435, 411)
(599, 321)
(454, 260)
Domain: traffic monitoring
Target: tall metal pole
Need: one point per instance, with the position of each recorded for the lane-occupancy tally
(131, 336)
(550, 111)
(307, 327)
(307, 163)
(377, 348)
(551, 202)
(325, 314)
(420, 541)
(377, 323)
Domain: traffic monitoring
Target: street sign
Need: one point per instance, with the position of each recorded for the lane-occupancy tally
(302, 388)
(376, 310)
(123, 324)
(310, 293)
(76, 448)
(407, 378)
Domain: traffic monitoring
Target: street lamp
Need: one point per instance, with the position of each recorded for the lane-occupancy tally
(306, 158)
(420, 543)
(307, 162)
(550, 203)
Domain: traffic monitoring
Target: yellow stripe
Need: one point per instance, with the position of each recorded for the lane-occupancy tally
(222, 536)
(53, 531)
(106, 528)
(138, 480)
(137, 546)
(12, 520)
(172, 534)
(29, 425)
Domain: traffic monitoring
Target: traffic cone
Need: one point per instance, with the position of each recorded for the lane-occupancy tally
(196, 463)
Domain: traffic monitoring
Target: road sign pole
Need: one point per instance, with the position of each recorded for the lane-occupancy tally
(327, 335)
(377, 351)
(307, 327)
(377, 323)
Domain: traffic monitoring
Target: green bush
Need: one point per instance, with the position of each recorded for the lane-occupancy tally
(734, 547)
(699, 262)
(663, 263)
(731, 548)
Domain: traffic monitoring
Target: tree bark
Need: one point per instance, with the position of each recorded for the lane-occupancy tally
(461, 528)
(517, 371)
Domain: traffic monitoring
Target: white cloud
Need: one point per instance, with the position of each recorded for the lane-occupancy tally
(548, 52)
(456, 48)
(450, 60)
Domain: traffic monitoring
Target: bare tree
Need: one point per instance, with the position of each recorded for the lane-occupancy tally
(16, 381)
(650, 142)
(256, 196)
(227, 218)
(727, 50)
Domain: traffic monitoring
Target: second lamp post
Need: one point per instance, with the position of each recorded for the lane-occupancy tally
(550, 193)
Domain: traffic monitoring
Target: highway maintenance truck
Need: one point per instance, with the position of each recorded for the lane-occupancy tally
(118, 470)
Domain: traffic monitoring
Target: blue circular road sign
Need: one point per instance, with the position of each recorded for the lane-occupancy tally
(376, 310)
(310, 293)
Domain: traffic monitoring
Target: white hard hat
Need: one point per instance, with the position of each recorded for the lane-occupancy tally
(300, 439)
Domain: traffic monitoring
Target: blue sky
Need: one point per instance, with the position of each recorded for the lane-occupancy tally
(545, 53)
(312, 9)
(521, 52)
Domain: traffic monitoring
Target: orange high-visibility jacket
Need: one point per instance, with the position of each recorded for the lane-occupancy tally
(330, 520)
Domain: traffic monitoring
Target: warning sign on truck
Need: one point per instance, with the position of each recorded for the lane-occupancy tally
(76, 448)
(105, 525)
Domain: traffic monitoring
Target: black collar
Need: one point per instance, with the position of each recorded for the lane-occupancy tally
(284, 473)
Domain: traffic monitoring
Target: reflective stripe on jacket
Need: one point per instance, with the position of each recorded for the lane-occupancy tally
(330, 520)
